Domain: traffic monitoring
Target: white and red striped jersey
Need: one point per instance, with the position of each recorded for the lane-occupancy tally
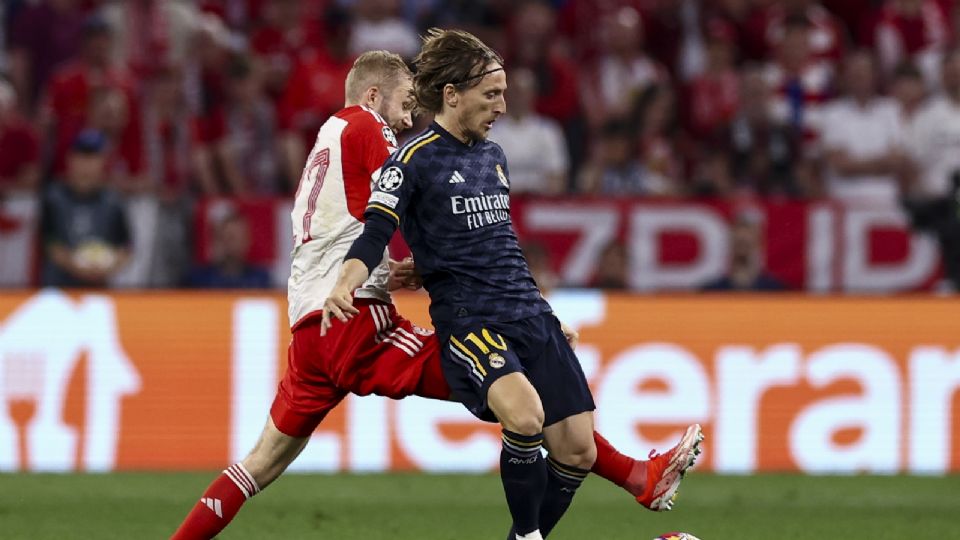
(328, 209)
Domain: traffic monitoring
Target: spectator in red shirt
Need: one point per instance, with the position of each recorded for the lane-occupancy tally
(825, 39)
(43, 36)
(19, 147)
(290, 36)
(240, 141)
(69, 93)
(916, 30)
(712, 97)
(314, 92)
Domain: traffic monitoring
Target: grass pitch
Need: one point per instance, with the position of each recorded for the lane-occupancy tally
(422, 507)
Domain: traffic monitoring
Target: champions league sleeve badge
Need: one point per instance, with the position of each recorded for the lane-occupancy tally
(391, 179)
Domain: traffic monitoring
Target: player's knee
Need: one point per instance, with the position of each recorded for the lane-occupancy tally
(579, 454)
(525, 418)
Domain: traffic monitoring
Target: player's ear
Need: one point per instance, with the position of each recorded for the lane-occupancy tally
(450, 95)
(372, 97)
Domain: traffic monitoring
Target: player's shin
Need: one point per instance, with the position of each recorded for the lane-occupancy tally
(524, 476)
(562, 483)
(618, 468)
(218, 505)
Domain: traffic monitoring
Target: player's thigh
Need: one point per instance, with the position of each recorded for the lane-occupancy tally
(474, 360)
(516, 404)
(272, 454)
(555, 372)
(307, 392)
(570, 441)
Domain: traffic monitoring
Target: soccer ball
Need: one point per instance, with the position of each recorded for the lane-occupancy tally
(676, 536)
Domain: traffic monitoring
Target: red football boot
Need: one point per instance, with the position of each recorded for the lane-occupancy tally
(665, 471)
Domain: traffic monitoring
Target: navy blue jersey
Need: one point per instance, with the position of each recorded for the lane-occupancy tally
(451, 202)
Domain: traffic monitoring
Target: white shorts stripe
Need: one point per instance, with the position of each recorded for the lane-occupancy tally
(402, 346)
(410, 336)
(398, 336)
(385, 315)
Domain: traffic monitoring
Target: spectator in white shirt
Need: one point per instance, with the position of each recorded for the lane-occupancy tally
(534, 145)
(862, 140)
(935, 135)
(378, 26)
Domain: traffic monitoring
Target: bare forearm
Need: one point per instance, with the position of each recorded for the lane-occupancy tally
(352, 274)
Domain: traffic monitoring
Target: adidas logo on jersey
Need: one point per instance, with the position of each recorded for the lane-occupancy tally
(456, 178)
(213, 504)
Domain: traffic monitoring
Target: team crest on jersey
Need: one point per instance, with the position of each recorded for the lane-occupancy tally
(391, 179)
(496, 361)
(503, 177)
(420, 331)
(389, 136)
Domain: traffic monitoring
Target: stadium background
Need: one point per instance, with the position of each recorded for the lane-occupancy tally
(658, 148)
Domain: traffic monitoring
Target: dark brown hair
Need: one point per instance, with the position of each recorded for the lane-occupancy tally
(449, 57)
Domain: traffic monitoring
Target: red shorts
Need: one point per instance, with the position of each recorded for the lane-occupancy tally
(375, 352)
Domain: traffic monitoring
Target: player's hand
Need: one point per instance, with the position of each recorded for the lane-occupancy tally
(340, 305)
(404, 275)
(573, 337)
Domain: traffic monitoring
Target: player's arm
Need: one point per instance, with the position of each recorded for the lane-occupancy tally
(381, 219)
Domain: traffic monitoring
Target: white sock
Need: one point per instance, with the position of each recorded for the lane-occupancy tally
(535, 535)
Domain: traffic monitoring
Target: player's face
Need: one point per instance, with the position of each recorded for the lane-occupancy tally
(397, 107)
(480, 106)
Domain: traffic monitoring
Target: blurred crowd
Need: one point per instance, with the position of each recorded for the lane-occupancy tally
(109, 108)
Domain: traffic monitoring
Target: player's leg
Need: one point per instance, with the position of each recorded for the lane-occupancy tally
(304, 397)
(572, 455)
(621, 470)
(522, 468)
(222, 499)
(488, 379)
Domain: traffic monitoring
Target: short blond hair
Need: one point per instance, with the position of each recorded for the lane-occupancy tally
(382, 69)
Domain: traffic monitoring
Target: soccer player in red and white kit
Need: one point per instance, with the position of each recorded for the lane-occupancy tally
(377, 351)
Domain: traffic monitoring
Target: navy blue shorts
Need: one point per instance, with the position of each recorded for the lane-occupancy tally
(479, 354)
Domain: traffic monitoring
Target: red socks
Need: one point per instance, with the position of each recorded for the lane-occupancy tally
(219, 504)
(622, 470)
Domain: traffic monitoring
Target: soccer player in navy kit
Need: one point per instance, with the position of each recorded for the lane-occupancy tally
(504, 353)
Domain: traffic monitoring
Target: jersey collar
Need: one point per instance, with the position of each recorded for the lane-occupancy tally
(449, 137)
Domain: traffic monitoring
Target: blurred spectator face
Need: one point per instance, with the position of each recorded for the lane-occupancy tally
(660, 111)
(755, 96)
(376, 10)
(233, 240)
(616, 148)
(909, 89)
(397, 107)
(908, 8)
(745, 241)
(167, 88)
(612, 267)
(97, 44)
(534, 25)
(245, 84)
(951, 74)
(108, 111)
(794, 49)
(85, 171)
(286, 13)
(623, 32)
(521, 91)
(860, 77)
(8, 100)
